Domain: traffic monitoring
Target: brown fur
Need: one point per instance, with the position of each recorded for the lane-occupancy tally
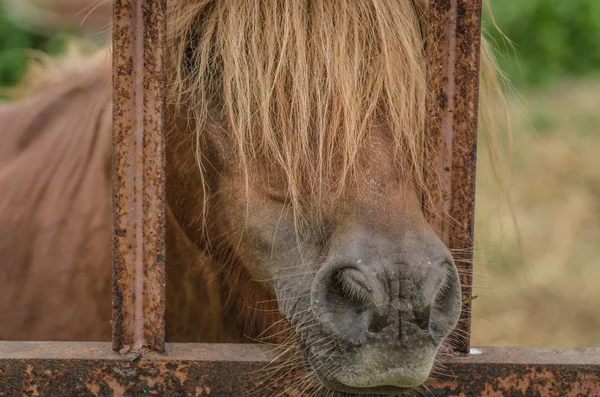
(221, 285)
(55, 210)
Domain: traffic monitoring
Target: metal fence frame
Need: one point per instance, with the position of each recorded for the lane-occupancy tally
(140, 363)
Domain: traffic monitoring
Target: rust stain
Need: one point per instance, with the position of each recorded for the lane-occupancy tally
(453, 47)
(139, 175)
(67, 369)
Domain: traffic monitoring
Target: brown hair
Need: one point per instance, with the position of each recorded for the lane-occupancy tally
(300, 82)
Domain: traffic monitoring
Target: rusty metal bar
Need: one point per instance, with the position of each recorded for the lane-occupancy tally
(453, 48)
(139, 175)
(65, 369)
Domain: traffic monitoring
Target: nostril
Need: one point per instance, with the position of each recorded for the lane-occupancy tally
(422, 319)
(377, 324)
(345, 304)
(350, 285)
(350, 302)
(446, 306)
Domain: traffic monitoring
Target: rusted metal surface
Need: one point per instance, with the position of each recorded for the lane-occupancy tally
(139, 175)
(93, 369)
(453, 48)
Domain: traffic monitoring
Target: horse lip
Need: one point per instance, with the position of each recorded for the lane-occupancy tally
(337, 386)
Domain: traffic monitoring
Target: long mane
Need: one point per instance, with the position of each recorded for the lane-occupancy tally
(299, 83)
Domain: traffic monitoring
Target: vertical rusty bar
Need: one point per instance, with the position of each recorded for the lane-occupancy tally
(139, 175)
(453, 50)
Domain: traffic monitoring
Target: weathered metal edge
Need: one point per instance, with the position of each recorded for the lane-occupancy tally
(139, 41)
(65, 369)
(453, 51)
(241, 352)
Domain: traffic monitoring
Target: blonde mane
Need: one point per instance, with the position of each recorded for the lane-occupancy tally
(299, 83)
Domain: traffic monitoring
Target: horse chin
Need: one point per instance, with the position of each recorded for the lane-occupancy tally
(337, 386)
(374, 368)
(350, 385)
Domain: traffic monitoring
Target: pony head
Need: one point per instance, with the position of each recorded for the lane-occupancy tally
(308, 123)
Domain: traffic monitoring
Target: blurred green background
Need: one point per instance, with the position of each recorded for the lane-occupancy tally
(16, 44)
(30, 29)
(553, 39)
(537, 257)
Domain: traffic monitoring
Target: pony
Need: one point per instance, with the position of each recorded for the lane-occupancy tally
(295, 169)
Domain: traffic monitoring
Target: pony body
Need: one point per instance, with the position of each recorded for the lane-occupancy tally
(55, 206)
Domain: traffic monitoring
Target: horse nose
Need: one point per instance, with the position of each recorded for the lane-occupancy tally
(401, 302)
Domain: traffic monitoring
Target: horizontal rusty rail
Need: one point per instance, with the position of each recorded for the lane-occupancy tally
(66, 369)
